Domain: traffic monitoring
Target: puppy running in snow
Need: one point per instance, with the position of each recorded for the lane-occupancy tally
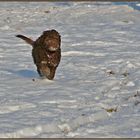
(46, 52)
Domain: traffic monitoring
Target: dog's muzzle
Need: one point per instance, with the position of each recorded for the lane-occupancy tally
(52, 49)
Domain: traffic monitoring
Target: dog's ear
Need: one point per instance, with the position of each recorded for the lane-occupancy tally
(26, 39)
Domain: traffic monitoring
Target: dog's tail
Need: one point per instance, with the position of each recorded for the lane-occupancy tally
(26, 39)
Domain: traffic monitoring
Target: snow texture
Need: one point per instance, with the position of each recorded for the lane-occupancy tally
(96, 90)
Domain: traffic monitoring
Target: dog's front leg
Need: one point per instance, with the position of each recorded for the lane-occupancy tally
(52, 73)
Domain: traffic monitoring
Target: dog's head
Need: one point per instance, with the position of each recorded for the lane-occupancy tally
(51, 40)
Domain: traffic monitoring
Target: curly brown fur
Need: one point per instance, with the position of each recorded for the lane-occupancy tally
(46, 52)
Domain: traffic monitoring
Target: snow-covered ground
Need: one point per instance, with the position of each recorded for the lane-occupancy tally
(96, 90)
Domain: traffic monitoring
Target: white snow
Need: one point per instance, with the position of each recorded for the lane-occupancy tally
(96, 90)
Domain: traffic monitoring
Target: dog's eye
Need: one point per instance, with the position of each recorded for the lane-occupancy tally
(55, 37)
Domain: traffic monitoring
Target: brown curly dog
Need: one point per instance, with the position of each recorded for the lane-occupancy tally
(46, 52)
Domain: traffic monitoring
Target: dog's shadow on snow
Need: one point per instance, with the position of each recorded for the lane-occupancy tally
(27, 73)
(24, 73)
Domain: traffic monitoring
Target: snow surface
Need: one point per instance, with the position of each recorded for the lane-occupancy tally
(96, 90)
